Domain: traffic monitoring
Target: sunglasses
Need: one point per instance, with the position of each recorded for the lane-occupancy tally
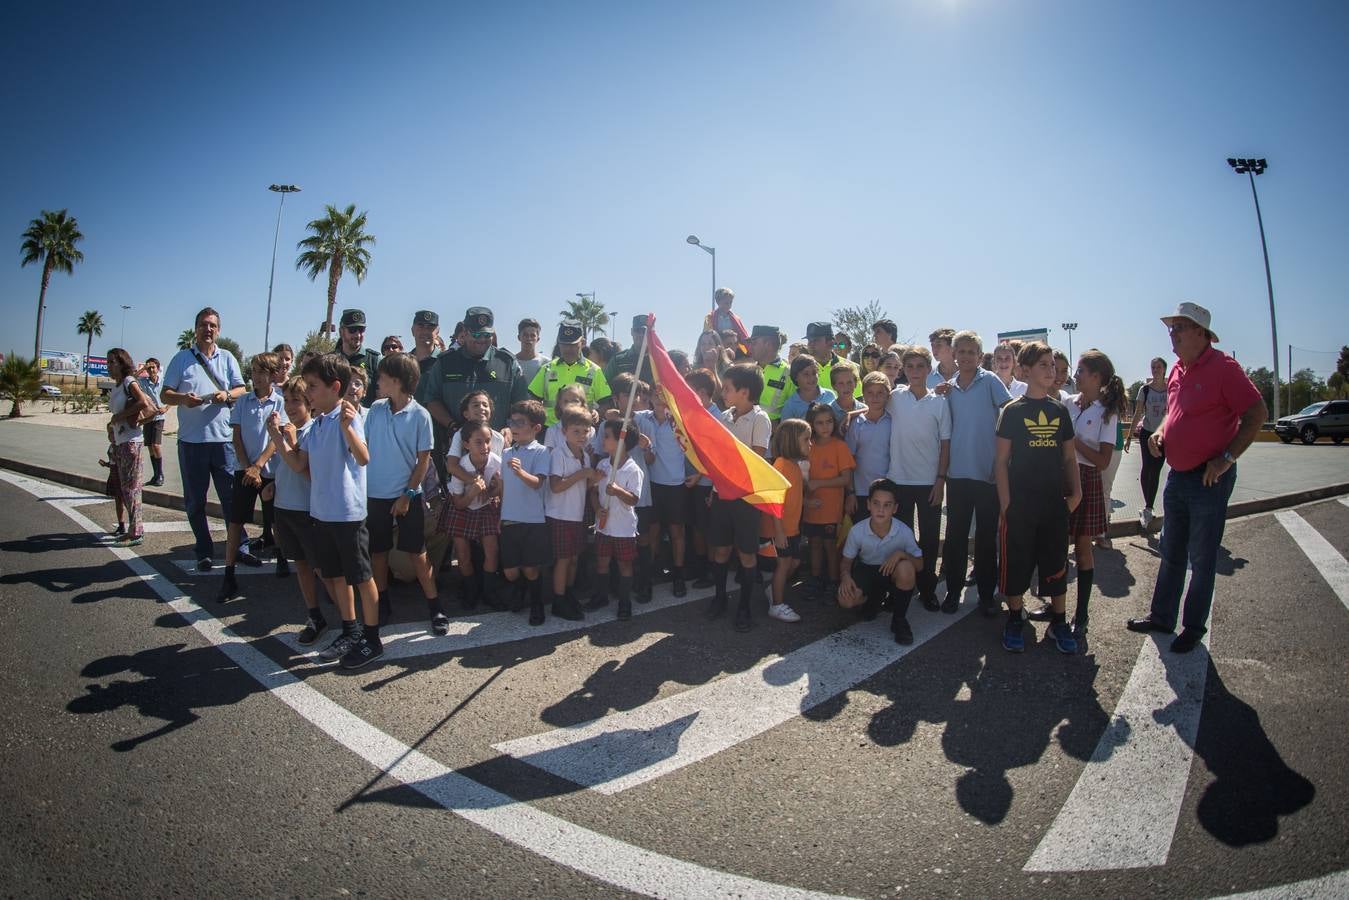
(355, 329)
(481, 335)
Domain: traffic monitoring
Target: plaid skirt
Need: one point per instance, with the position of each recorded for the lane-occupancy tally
(1089, 520)
(471, 524)
(623, 549)
(569, 538)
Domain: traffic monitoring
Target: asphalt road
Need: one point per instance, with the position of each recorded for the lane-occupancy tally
(155, 742)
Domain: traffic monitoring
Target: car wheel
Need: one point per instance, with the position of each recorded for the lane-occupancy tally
(1286, 438)
(1309, 434)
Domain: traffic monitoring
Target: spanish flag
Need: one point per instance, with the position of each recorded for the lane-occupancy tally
(735, 470)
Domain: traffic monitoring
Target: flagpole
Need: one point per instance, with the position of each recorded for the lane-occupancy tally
(617, 459)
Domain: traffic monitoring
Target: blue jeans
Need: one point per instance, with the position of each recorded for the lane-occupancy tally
(1191, 532)
(198, 466)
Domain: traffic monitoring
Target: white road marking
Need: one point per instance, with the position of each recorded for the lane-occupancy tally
(189, 568)
(629, 748)
(1334, 886)
(179, 525)
(1320, 551)
(1122, 812)
(593, 854)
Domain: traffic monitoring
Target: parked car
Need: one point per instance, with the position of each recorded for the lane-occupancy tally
(49, 390)
(1329, 418)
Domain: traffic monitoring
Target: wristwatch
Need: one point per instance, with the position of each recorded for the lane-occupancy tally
(412, 492)
(1231, 460)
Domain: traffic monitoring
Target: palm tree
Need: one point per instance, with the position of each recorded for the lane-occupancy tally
(50, 240)
(20, 380)
(187, 338)
(91, 324)
(336, 246)
(589, 312)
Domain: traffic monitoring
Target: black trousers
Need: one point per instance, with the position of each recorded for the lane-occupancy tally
(1150, 475)
(913, 497)
(968, 499)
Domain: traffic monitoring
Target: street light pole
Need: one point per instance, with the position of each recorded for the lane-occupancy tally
(122, 342)
(1069, 327)
(1252, 168)
(693, 239)
(283, 190)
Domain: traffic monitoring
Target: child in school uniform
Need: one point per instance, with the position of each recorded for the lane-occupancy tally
(356, 391)
(474, 512)
(791, 457)
(868, 439)
(669, 495)
(920, 452)
(882, 559)
(525, 544)
(334, 452)
(805, 374)
(643, 455)
(253, 450)
(474, 406)
(398, 432)
(294, 528)
(831, 468)
(567, 396)
(734, 524)
(1005, 367)
(1038, 488)
(569, 480)
(847, 402)
(700, 486)
(615, 498)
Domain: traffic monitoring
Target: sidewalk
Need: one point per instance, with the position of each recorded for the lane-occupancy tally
(1270, 474)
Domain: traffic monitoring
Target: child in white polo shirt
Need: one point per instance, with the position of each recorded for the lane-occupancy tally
(881, 557)
(615, 499)
(565, 505)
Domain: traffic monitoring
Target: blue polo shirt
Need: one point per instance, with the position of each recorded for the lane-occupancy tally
(210, 422)
(974, 425)
(152, 389)
(519, 502)
(250, 413)
(336, 479)
(870, 445)
(796, 405)
(668, 469)
(292, 488)
(394, 439)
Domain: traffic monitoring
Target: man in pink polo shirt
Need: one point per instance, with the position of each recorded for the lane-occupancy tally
(1213, 412)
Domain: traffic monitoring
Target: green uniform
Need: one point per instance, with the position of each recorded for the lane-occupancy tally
(368, 360)
(557, 373)
(454, 375)
(627, 362)
(777, 388)
(827, 382)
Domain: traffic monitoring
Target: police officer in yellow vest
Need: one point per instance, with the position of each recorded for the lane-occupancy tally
(569, 367)
(764, 343)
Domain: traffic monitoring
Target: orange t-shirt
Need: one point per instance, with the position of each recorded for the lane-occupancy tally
(791, 505)
(828, 460)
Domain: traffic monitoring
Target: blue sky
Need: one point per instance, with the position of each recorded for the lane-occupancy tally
(991, 164)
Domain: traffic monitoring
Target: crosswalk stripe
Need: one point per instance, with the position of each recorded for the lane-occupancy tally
(1320, 551)
(1334, 886)
(619, 751)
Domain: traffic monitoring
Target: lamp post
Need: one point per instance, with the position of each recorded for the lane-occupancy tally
(122, 342)
(1069, 327)
(693, 239)
(283, 190)
(1251, 168)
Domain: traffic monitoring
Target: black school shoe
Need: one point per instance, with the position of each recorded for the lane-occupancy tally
(680, 589)
(900, 628)
(440, 624)
(1145, 624)
(364, 651)
(229, 589)
(1044, 614)
(1187, 640)
(312, 630)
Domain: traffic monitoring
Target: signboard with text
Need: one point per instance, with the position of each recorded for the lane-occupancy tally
(96, 365)
(59, 362)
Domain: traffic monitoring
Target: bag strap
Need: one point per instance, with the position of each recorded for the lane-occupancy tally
(209, 373)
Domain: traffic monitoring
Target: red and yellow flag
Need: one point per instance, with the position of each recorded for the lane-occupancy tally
(735, 470)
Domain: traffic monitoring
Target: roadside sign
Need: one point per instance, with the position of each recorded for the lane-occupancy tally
(96, 365)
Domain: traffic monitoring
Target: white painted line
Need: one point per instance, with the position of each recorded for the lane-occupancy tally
(403, 640)
(189, 568)
(592, 854)
(1345, 500)
(1334, 886)
(1123, 810)
(180, 525)
(1320, 551)
(629, 748)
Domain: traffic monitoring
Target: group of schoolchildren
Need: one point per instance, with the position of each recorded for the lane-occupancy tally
(569, 505)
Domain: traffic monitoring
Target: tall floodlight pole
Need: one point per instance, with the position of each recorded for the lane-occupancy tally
(283, 190)
(693, 239)
(1251, 168)
(1069, 327)
(122, 342)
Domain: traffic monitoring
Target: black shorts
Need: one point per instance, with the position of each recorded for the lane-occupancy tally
(380, 521)
(792, 550)
(342, 549)
(153, 433)
(869, 579)
(1032, 535)
(525, 544)
(734, 523)
(820, 530)
(699, 499)
(294, 533)
(245, 498)
(645, 515)
(671, 503)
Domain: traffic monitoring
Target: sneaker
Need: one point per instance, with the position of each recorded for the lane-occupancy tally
(1044, 614)
(783, 613)
(248, 558)
(282, 567)
(135, 542)
(680, 589)
(338, 648)
(1145, 518)
(228, 591)
(366, 650)
(1012, 640)
(205, 564)
(440, 624)
(311, 631)
(1063, 637)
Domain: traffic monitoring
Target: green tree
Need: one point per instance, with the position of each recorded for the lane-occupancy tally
(589, 312)
(20, 381)
(50, 239)
(186, 338)
(1336, 382)
(856, 321)
(91, 325)
(314, 342)
(337, 245)
(1342, 364)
